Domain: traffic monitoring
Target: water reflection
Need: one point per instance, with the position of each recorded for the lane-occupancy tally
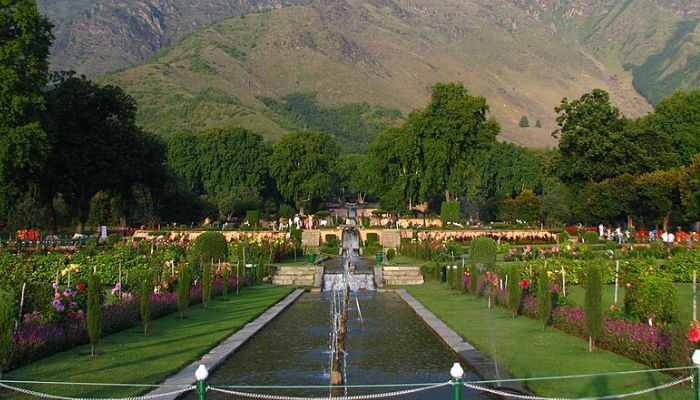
(392, 346)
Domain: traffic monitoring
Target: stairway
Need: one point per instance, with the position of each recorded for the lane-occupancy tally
(402, 275)
(297, 275)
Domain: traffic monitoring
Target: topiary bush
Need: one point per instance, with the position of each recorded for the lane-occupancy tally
(390, 254)
(253, 217)
(372, 238)
(93, 311)
(449, 212)
(652, 296)
(514, 290)
(482, 251)
(331, 241)
(209, 246)
(544, 297)
(7, 325)
(432, 271)
(592, 306)
(590, 237)
(207, 281)
(183, 289)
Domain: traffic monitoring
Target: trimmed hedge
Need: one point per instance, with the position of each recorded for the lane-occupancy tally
(449, 212)
(482, 250)
(210, 246)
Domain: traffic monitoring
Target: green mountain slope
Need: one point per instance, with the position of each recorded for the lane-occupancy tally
(380, 52)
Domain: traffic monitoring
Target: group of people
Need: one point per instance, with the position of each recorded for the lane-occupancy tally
(617, 235)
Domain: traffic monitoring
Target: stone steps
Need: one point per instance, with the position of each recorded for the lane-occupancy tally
(402, 276)
(297, 276)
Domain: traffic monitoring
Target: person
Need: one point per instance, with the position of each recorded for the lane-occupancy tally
(671, 238)
(664, 237)
(618, 235)
(601, 230)
(396, 221)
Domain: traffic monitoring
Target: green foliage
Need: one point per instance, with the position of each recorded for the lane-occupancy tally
(207, 280)
(514, 289)
(372, 238)
(114, 239)
(592, 306)
(225, 277)
(432, 271)
(591, 141)
(253, 217)
(563, 237)
(449, 212)
(94, 308)
(365, 222)
(286, 211)
(538, 124)
(474, 280)
(524, 122)
(209, 246)
(302, 164)
(331, 240)
(590, 237)
(145, 288)
(544, 297)
(26, 39)
(652, 296)
(183, 289)
(7, 326)
(353, 125)
(482, 251)
(390, 254)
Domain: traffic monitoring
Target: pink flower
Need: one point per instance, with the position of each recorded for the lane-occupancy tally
(523, 283)
(694, 334)
(56, 295)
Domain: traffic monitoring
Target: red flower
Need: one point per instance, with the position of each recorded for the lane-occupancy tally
(80, 286)
(694, 334)
(523, 284)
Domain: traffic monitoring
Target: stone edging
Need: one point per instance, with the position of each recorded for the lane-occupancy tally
(220, 353)
(483, 365)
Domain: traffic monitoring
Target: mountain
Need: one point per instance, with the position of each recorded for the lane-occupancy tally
(97, 36)
(378, 56)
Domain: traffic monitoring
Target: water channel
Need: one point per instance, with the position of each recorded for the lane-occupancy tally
(391, 345)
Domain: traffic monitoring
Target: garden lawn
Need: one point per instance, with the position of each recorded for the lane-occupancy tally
(684, 290)
(406, 260)
(133, 357)
(523, 348)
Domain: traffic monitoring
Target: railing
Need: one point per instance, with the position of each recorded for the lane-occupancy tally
(457, 383)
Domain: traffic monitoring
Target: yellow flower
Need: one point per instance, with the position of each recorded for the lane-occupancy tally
(550, 274)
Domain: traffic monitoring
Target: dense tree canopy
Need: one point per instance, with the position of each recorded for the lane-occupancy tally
(25, 38)
(303, 163)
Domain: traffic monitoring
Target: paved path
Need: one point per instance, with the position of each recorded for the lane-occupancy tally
(220, 353)
(484, 366)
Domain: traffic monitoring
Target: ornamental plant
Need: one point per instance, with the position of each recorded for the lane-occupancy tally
(183, 289)
(544, 297)
(514, 289)
(652, 297)
(474, 280)
(482, 251)
(225, 278)
(206, 284)
(7, 322)
(592, 308)
(145, 289)
(209, 246)
(93, 311)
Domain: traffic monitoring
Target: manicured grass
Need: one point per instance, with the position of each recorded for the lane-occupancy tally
(685, 297)
(406, 260)
(523, 348)
(134, 358)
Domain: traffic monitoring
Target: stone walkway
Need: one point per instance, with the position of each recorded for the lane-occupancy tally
(484, 366)
(220, 353)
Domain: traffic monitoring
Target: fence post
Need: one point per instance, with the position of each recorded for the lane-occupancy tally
(696, 373)
(201, 374)
(457, 375)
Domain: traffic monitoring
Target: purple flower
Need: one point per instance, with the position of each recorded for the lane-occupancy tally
(67, 292)
(54, 286)
(58, 306)
(73, 305)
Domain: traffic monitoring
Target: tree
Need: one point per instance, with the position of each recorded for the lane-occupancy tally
(612, 200)
(145, 288)
(514, 290)
(95, 145)
(510, 169)
(94, 308)
(538, 124)
(303, 165)
(592, 146)
(659, 194)
(690, 190)
(183, 289)
(544, 297)
(452, 127)
(394, 158)
(592, 307)
(7, 326)
(524, 122)
(677, 120)
(25, 39)
(207, 281)
(357, 175)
